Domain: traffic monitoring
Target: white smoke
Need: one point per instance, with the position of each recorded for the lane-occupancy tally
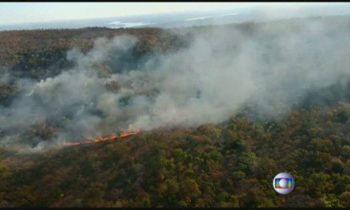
(267, 67)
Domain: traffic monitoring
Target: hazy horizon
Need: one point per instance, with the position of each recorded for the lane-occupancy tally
(24, 16)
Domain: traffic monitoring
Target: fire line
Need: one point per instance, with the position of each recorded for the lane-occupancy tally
(113, 137)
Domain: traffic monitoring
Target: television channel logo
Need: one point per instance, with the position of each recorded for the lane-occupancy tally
(283, 183)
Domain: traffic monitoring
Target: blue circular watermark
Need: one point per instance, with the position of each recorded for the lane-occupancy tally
(283, 183)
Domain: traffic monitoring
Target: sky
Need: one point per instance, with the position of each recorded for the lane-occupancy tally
(16, 12)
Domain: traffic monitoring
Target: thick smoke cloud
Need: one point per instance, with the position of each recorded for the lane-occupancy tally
(268, 67)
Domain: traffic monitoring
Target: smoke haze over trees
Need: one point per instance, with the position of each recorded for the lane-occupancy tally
(219, 71)
(222, 110)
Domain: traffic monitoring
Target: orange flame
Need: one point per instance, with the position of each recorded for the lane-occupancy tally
(123, 134)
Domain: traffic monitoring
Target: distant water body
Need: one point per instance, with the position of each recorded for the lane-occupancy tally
(188, 19)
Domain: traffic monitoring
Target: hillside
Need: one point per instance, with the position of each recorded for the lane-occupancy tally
(285, 107)
(228, 165)
(41, 53)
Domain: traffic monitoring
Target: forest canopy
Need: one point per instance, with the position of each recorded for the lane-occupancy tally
(218, 145)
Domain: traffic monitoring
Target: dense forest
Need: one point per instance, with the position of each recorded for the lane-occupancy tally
(229, 164)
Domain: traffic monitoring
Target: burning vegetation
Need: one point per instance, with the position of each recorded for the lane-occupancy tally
(225, 113)
(113, 137)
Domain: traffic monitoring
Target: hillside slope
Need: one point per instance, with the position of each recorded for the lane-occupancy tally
(228, 165)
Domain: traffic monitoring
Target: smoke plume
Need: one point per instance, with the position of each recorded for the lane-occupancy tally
(268, 67)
